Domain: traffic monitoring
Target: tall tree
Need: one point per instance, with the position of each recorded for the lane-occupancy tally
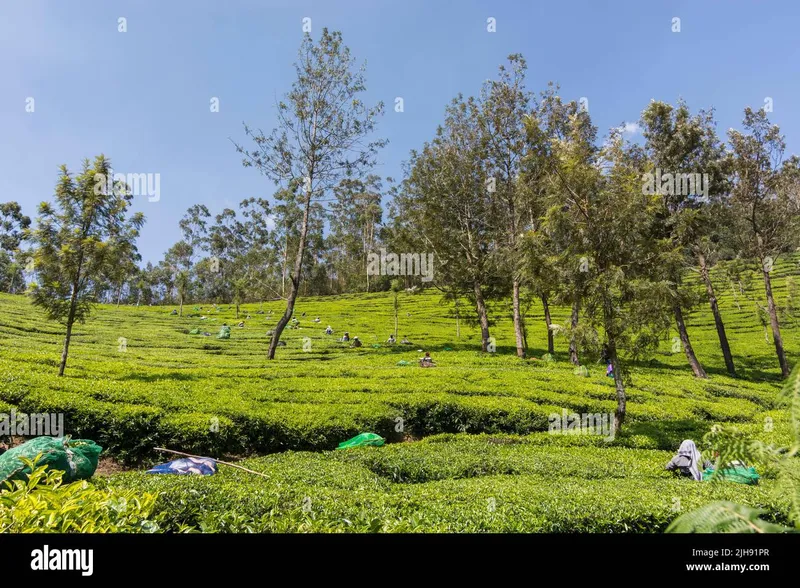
(764, 208)
(13, 230)
(685, 150)
(76, 243)
(599, 201)
(445, 205)
(504, 105)
(322, 136)
(355, 217)
(179, 260)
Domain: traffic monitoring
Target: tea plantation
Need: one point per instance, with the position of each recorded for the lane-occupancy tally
(469, 448)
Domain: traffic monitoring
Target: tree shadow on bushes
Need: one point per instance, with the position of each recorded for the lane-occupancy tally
(668, 435)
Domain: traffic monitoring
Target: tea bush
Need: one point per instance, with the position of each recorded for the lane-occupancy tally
(42, 504)
(455, 483)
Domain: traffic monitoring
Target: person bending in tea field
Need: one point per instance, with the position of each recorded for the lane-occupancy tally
(405, 341)
(426, 361)
(329, 331)
(688, 461)
(316, 320)
(391, 340)
(345, 338)
(355, 343)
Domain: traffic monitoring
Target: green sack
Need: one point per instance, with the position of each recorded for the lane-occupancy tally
(76, 458)
(403, 362)
(195, 332)
(735, 473)
(581, 371)
(362, 440)
(224, 333)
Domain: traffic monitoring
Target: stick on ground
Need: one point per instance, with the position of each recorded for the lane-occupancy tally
(233, 465)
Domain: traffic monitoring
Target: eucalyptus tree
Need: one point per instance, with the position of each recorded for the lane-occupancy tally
(445, 205)
(355, 217)
(764, 204)
(13, 231)
(685, 169)
(324, 134)
(599, 207)
(504, 106)
(179, 259)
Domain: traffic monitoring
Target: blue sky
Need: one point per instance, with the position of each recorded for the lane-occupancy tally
(142, 97)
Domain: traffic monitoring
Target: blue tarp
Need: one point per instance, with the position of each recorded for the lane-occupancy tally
(203, 466)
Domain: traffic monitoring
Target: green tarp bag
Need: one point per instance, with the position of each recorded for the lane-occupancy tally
(362, 440)
(224, 333)
(195, 332)
(76, 458)
(734, 473)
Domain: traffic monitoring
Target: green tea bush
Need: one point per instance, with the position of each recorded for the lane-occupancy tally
(455, 483)
(42, 504)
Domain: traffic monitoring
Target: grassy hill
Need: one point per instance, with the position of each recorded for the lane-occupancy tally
(137, 379)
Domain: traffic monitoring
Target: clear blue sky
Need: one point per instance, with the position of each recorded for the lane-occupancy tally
(142, 97)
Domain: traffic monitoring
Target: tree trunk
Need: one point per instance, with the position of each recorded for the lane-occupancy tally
(73, 305)
(396, 309)
(180, 312)
(294, 281)
(119, 295)
(619, 386)
(285, 262)
(518, 322)
(237, 310)
(619, 414)
(550, 344)
(573, 346)
(697, 369)
(776, 328)
(458, 322)
(480, 308)
(712, 300)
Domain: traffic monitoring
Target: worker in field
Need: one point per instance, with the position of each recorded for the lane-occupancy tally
(356, 342)
(427, 360)
(405, 341)
(329, 330)
(688, 461)
(241, 324)
(345, 338)
(316, 320)
(391, 340)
